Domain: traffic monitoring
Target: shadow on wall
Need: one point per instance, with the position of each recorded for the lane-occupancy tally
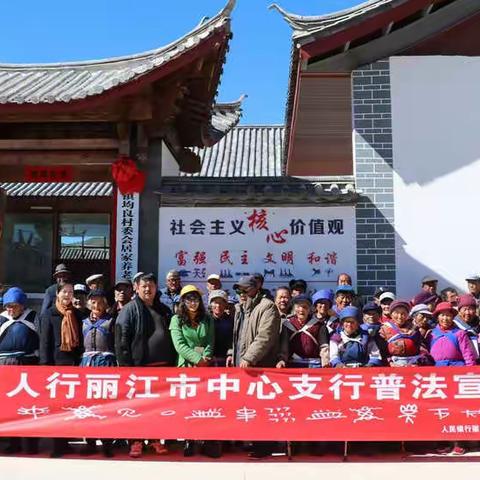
(377, 241)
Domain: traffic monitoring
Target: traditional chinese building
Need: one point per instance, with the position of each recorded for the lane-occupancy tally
(63, 126)
(387, 93)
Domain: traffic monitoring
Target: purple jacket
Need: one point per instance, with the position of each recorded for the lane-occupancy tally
(452, 346)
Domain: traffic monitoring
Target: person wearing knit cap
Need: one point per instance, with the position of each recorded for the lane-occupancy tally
(451, 347)
(18, 346)
(351, 346)
(427, 298)
(307, 337)
(467, 318)
(403, 341)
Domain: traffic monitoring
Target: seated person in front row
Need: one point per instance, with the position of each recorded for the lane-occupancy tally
(352, 346)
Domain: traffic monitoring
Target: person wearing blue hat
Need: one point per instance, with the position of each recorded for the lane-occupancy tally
(18, 346)
(372, 314)
(307, 337)
(322, 305)
(343, 297)
(351, 346)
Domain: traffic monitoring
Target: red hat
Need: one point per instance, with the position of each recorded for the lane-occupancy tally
(466, 300)
(399, 303)
(444, 307)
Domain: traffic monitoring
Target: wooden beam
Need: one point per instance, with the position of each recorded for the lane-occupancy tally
(59, 157)
(94, 173)
(60, 144)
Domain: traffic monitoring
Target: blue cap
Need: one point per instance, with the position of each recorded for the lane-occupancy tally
(368, 307)
(349, 312)
(345, 288)
(303, 297)
(15, 295)
(326, 294)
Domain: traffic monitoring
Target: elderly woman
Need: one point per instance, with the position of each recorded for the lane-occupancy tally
(450, 347)
(403, 341)
(422, 318)
(61, 341)
(352, 346)
(98, 343)
(193, 336)
(467, 318)
(307, 337)
(18, 346)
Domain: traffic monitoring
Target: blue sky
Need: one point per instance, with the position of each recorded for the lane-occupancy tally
(257, 64)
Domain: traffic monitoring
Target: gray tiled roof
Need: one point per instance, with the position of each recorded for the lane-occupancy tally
(50, 83)
(79, 253)
(57, 189)
(306, 25)
(246, 151)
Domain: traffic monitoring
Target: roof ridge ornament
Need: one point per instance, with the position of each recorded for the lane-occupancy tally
(228, 8)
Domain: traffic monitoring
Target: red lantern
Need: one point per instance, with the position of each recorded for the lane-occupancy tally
(127, 176)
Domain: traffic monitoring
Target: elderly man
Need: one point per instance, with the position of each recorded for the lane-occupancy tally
(473, 284)
(60, 275)
(142, 338)
(123, 293)
(95, 281)
(429, 284)
(256, 337)
(171, 292)
(283, 301)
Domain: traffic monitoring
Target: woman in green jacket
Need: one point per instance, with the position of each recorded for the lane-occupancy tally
(193, 335)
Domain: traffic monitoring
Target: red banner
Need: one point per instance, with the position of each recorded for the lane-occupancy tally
(233, 404)
(48, 173)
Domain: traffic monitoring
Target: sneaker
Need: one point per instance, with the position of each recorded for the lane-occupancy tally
(136, 449)
(158, 448)
(457, 450)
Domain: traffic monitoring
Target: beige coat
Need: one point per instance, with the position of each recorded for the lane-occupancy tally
(260, 335)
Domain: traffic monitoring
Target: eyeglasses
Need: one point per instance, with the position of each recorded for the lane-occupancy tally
(192, 299)
(239, 291)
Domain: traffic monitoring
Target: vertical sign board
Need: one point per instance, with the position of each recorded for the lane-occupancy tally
(3, 204)
(285, 243)
(126, 261)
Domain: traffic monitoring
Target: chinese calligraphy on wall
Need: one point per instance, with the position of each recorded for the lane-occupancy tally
(127, 235)
(313, 243)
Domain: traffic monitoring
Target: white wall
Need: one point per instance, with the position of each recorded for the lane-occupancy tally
(170, 166)
(436, 148)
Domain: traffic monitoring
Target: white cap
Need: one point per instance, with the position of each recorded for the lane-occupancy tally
(387, 295)
(80, 287)
(213, 276)
(92, 278)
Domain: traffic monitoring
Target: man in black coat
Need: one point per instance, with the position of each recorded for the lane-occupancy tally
(142, 338)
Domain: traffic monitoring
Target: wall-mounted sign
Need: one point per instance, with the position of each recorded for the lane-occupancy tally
(127, 235)
(47, 174)
(312, 243)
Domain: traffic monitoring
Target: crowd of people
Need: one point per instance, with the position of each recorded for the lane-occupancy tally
(139, 324)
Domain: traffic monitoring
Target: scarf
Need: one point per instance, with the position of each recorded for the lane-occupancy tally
(69, 333)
